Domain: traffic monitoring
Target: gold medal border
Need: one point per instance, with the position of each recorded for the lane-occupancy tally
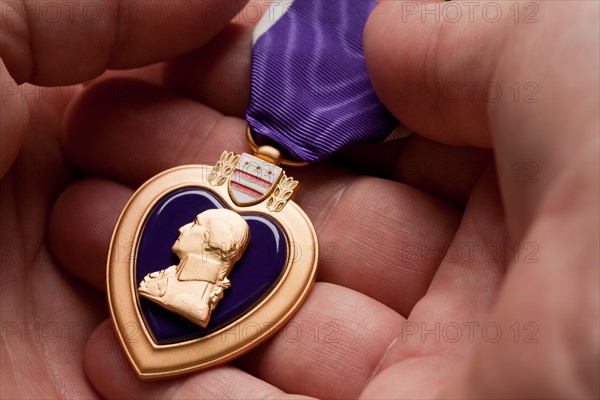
(152, 361)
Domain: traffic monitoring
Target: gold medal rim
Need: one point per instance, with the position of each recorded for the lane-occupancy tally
(152, 361)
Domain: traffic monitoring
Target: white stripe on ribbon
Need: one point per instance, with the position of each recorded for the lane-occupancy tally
(276, 10)
(400, 132)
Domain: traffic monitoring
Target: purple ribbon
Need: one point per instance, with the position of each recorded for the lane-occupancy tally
(310, 91)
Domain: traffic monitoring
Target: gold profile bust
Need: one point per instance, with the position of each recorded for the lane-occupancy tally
(207, 249)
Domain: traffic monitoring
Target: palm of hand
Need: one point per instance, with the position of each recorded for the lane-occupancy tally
(377, 265)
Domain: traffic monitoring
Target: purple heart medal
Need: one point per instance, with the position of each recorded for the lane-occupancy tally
(220, 257)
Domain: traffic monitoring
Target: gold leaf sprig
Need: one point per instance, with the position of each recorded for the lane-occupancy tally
(282, 194)
(223, 168)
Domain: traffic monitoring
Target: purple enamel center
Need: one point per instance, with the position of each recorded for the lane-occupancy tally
(251, 278)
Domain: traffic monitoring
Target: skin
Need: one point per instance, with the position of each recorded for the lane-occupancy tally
(383, 272)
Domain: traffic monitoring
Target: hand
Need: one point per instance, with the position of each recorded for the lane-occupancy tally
(385, 275)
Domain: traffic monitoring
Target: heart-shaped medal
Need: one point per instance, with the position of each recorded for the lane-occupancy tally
(206, 263)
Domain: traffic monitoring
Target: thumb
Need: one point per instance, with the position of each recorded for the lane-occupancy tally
(521, 77)
(433, 63)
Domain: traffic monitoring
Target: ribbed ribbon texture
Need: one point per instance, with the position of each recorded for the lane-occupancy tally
(310, 91)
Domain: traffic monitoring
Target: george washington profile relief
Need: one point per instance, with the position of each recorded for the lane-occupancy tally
(207, 249)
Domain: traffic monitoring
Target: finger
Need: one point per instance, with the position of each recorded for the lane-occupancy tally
(79, 237)
(446, 172)
(14, 121)
(151, 73)
(111, 374)
(30, 278)
(149, 129)
(413, 63)
(447, 322)
(217, 74)
(64, 42)
(381, 238)
(339, 331)
(473, 266)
